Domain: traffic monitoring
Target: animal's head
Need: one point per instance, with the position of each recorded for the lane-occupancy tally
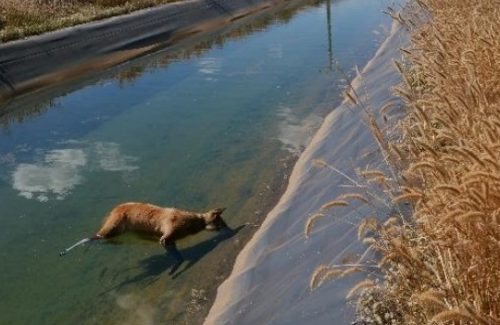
(213, 219)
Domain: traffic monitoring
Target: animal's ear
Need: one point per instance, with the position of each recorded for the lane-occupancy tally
(218, 211)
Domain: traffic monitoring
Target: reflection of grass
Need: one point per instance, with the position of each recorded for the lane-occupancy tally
(21, 18)
(20, 115)
(440, 262)
(126, 76)
(130, 75)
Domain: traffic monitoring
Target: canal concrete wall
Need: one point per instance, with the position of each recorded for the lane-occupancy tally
(42, 60)
(269, 283)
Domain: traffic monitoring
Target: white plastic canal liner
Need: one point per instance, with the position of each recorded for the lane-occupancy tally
(269, 283)
(38, 61)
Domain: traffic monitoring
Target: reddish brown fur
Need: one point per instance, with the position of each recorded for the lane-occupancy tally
(169, 223)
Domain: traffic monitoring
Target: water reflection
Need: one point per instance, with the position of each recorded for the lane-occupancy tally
(32, 105)
(276, 51)
(209, 67)
(58, 171)
(55, 175)
(201, 144)
(141, 313)
(17, 112)
(109, 158)
(296, 132)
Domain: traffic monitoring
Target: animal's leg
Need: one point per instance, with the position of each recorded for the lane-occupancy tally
(171, 249)
(112, 226)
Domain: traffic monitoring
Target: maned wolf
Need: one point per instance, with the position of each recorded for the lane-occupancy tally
(168, 223)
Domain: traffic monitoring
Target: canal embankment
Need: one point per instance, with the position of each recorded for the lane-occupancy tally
(43, 60)
(270, 280)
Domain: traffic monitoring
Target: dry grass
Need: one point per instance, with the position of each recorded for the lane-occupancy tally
(441, 262)
(444, 265)
(21, 18)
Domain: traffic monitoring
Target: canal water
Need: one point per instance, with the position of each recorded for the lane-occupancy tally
(217, 123)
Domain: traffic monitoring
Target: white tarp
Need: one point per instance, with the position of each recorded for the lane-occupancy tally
(270, 280)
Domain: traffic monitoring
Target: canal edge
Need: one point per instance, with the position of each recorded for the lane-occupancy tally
(38, 61)
(242, 281)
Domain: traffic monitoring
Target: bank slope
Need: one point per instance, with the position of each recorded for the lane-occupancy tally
(269, 283)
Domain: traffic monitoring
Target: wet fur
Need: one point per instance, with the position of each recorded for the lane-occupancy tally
(169, 223)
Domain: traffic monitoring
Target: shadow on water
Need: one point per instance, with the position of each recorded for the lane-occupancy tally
(152, 267)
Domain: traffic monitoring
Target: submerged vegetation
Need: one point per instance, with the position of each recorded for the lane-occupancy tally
(21, 18)
(440, 247)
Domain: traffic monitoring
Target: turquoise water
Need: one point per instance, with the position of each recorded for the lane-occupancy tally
(216, 124)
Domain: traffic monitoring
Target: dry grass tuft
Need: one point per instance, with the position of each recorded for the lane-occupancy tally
(358, 288)
(310, 222)
(334, 203)
(21, 18)
(322, 274)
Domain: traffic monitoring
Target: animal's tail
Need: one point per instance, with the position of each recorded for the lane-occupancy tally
(81, 242)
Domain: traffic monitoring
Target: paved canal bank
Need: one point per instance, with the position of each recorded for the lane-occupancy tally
(40, 61)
